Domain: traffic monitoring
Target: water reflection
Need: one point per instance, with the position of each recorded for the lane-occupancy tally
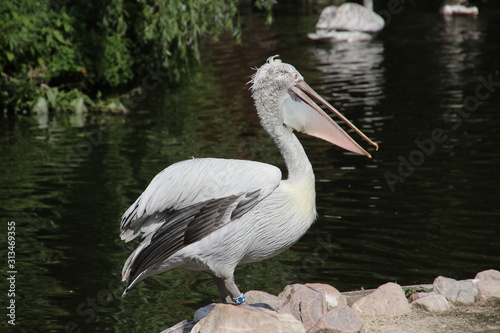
(455, 39)
(458, 29)
(353, 72)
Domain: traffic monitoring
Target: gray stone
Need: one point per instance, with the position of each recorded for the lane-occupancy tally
(259, 298)
(418, 295)
(353, 296)
(203, 311)
(341, 319)
(333, 297)
(182, 327)
(488, 289)
(457, 292)
(305, 304)
(228, 318)
(397, 331)
(432, 303)
(389, 299)
(490, 274)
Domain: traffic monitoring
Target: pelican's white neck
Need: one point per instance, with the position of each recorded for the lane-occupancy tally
(368, 4)
(300, 183)
(298, 165)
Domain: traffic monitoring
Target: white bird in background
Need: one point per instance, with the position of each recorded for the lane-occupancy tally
(212, 214)
(348, 22)
(458, 7)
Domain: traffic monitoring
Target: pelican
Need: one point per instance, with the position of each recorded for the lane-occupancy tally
(210, 214)
(458, 7)
(349, 22)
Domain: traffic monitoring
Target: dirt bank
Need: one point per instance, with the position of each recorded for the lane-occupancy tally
(481, 317)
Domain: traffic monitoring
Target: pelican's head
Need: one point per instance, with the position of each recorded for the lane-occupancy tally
(281, 98)
(274, 78)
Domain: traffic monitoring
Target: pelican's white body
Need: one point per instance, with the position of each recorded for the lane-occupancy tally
(271, 227)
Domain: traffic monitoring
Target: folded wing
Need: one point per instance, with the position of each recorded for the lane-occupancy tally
(187, 201)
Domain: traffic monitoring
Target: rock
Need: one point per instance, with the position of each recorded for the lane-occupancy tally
(257, 297)
(228, 318)
(203, 311)
(305, 304)
(457, 292)
(488, 289)
(341, 319)
(389, 299)
(353, 296)
(418, 295)
(333, 297)
(432, 303)
(397, 331)
(182, 327)
(490, 274)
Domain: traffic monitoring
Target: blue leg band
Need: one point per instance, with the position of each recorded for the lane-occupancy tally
(240, 299)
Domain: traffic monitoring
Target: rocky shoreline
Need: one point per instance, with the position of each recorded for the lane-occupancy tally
(320, 308)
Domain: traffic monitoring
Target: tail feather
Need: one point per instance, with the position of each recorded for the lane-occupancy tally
(129, 265)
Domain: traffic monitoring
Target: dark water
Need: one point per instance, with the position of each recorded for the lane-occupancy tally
(426, 204)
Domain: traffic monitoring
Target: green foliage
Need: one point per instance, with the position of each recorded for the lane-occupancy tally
(416, 289)
(84, 46)
(171, 29)
(267, 5)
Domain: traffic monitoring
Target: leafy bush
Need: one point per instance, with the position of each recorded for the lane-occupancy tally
(84, 46)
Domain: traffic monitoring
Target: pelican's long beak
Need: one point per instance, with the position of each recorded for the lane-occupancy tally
(309, 118)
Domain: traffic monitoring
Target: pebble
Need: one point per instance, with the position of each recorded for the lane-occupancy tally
(261, 298)
(305, 304)
(182, 327)
(389, 299)
(418, 295)
(333, 297)
(229, 318)
(341, 319)
(457, 292)
(488, 289)
(432, 303)
(490, 274)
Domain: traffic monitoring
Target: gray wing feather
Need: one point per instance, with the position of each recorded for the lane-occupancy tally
(187, 183)
(186, 226)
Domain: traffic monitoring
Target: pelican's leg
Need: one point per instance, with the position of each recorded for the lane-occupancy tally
(224, 294)
(230, 285)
